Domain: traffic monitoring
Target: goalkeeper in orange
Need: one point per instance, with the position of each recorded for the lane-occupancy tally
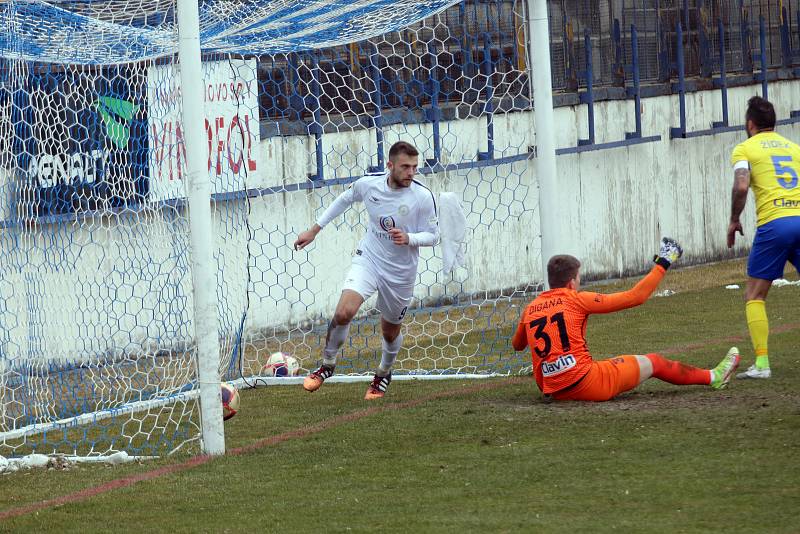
(553, 325)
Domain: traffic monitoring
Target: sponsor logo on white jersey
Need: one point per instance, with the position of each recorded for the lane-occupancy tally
(387, 223)
(563, 363)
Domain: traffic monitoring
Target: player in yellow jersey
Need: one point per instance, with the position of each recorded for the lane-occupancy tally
(769, 164)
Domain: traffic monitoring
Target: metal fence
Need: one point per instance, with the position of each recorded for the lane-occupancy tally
(470, 49)
(479, 47)
(707, 27)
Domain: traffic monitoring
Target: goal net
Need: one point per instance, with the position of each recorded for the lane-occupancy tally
(302, 97)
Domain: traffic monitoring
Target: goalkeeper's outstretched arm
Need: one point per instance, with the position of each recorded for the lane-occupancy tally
(637, 295)
(668, 254)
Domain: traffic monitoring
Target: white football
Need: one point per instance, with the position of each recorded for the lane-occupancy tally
(230, 401)
(281, 364)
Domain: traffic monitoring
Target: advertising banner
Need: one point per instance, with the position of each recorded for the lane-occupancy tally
(81, 140)
(231, 127)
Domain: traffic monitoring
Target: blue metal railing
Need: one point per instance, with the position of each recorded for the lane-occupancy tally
(483, 39)
(422, 79)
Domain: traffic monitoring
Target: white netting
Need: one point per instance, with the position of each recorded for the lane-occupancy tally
(117, 31)
(95, 281)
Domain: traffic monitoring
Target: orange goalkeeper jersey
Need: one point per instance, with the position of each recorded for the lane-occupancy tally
(553, 325)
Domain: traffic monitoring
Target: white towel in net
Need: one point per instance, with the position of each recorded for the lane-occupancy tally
(453, 232)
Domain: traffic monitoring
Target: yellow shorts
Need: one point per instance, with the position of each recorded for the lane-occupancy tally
(605, 380)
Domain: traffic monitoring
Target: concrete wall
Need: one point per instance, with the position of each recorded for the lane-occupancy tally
(117, 284)
(626, 198)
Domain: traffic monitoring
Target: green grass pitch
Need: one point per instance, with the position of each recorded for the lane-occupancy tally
(488, 455)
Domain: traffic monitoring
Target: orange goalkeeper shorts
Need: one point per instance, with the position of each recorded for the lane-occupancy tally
(605, 380)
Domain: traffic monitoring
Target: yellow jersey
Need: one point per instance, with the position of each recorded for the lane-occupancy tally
(774, 170)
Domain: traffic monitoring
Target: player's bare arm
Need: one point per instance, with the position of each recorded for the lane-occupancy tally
(305, 238)
(741, 184)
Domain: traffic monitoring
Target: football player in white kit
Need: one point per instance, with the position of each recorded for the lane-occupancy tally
(402, 218)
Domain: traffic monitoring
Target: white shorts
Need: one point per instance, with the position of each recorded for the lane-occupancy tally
(393, 300)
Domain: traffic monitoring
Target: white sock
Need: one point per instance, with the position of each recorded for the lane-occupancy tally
(337, 334)
(389, 354)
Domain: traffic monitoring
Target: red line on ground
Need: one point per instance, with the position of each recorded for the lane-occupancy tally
(104, 488)
(353, 416)
(266, 442)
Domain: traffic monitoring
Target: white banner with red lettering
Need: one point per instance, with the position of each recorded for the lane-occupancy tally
(230, 92)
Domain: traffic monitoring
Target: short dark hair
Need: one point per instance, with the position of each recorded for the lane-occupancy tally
(401, 147)
(561, 269)
(761, 112)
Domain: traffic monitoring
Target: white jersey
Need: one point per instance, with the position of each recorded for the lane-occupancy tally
(412, 209)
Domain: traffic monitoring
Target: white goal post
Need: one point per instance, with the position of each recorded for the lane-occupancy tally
(201, 230)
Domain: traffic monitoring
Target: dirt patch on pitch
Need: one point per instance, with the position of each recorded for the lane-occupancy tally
(656, 401)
